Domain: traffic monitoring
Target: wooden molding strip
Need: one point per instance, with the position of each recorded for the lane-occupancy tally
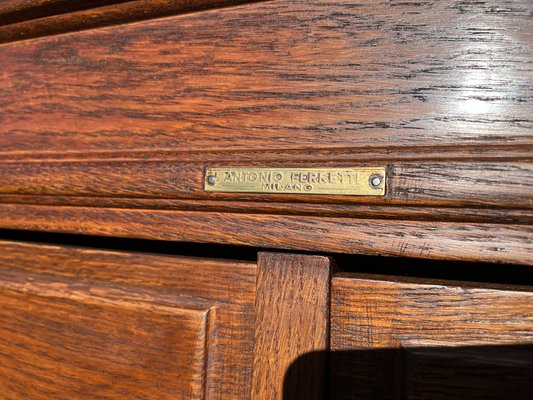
(14, 11)
(60, 16)
(372, 211)
(435, 240)
(448, 184)
(486, 152)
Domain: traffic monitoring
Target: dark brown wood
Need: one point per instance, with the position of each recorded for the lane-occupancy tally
(421, 239)
(13, 11)
(288, 74)
(85, 324)
(52, 17)
(498, 184)
(395, 338)
(292, 320)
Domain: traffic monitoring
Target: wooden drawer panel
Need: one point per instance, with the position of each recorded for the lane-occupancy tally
(55, 342)
(440, 340)
(85, 324)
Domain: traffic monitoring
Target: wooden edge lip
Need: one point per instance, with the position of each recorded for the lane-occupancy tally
(351, 277)
(118, 12)
(490, 152)
(481, 242)
(126, 253)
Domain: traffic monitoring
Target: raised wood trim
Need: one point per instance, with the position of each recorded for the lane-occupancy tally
(292, 320)
(428, 183)
(15, 11)
(358, 210)
(52, 17)
(421, 239)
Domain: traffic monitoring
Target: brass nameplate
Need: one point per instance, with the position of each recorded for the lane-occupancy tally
(331, 181)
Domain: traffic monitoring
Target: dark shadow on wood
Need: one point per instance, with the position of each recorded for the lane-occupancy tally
(500, 372)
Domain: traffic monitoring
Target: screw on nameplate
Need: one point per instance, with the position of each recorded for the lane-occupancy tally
(353, 181)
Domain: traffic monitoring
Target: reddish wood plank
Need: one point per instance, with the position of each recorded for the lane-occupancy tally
(285, 74)
(84, 323)
(292, 320)
(497, 215)
(497, 184)
(437, 240)
(25, 20)
(405, 337)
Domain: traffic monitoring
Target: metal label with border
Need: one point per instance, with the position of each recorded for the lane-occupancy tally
(356, 181)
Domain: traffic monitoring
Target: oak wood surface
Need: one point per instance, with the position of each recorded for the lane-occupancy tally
(285, 74)
(13, 11)
(334, 209)
(292, 319)
(405, 338)
(80, 323)
(52, 17)
(437, 240)
(452, 183)
(128, 116)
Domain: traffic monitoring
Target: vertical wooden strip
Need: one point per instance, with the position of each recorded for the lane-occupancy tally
(291, 327)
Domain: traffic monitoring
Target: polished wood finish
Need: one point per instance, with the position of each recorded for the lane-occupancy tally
(421, 239)
(412, 339)
(52, 17)
(13, 11)
(292, 319)
(287, 74)
(451, 183)
(354, 210)
(85, 324)
(109, 131)
(130, 116)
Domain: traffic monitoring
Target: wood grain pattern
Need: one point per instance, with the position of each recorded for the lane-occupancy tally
(506, 184)
(286, 74)
(406, 338)
(54, 17)
(356, 210)
(292, 319)
(82, 323)
(13, 11)
(437, 240)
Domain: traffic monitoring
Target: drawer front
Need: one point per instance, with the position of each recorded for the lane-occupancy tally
(413, 340)
(81, 323)
(87, 324)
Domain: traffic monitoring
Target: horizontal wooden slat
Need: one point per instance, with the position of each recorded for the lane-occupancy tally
(285, 74)
(394, 338)
(437, 240)
(13, 11)
(353, 210)
(498, 184)
(51, 17)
